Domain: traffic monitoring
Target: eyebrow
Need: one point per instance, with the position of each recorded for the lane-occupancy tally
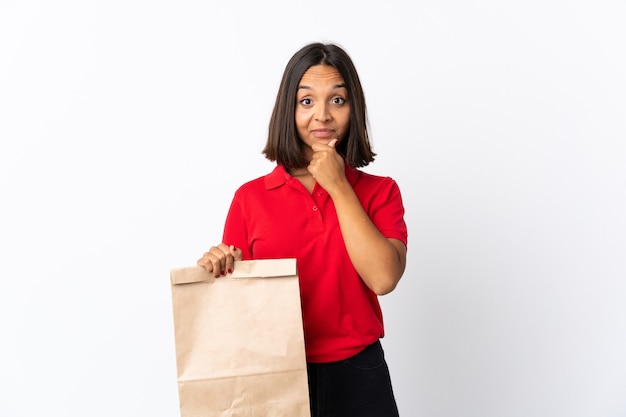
(335, 87)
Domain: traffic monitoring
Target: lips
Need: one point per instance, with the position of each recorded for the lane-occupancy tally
(323, 133)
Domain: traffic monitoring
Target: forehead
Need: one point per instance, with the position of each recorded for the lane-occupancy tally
(322, 74)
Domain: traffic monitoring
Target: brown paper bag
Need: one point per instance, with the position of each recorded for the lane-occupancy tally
(239, 341)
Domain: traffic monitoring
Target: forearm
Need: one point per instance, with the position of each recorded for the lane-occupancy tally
(378, 261)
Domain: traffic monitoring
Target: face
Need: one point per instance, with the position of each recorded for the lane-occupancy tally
(323, 107)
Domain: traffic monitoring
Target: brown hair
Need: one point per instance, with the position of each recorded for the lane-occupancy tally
(283, 144)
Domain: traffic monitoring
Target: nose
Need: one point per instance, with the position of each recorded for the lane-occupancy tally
(322, 113)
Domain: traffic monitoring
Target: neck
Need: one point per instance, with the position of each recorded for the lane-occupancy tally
(299, 172)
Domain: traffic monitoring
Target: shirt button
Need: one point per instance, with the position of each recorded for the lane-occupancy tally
(314, 208)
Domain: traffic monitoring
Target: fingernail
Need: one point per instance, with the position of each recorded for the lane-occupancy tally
(230, 270)
(223, 273)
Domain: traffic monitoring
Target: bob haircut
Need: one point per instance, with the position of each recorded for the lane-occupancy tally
(283, 143)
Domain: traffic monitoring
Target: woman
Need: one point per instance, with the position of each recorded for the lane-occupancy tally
(345, 228)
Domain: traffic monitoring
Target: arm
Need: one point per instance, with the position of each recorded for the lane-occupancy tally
(379, 261)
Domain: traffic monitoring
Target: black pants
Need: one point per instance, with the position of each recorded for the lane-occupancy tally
(359, 386)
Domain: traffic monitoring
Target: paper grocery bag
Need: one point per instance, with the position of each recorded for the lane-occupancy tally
(239, 341)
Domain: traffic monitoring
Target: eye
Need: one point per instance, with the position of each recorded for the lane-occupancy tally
(306, 101)
(339, 100)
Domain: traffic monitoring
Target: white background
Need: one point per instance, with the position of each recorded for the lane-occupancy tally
(126, 126)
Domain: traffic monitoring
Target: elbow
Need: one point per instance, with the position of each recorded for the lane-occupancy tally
(384, 290)
(384, 286)
(383, 279)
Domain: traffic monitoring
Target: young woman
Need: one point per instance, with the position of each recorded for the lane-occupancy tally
(345, 227)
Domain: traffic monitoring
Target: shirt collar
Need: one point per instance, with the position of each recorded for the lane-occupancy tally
(280, 176)
(277, 177)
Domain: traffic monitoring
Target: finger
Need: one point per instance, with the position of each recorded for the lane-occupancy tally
(218, 268)
(214, 260)
(205, 263)
(320, 146)
(222, 255)
(236, 253)
(332, 143)
(229, 264)
(211, 264)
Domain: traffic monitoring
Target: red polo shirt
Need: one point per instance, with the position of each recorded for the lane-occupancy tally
(274, 216)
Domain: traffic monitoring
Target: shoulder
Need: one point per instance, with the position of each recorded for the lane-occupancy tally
(374, 190)
(251, 184)
(362, 178)
(263, 183)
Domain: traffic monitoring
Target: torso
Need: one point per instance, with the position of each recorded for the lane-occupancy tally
(274, 217)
